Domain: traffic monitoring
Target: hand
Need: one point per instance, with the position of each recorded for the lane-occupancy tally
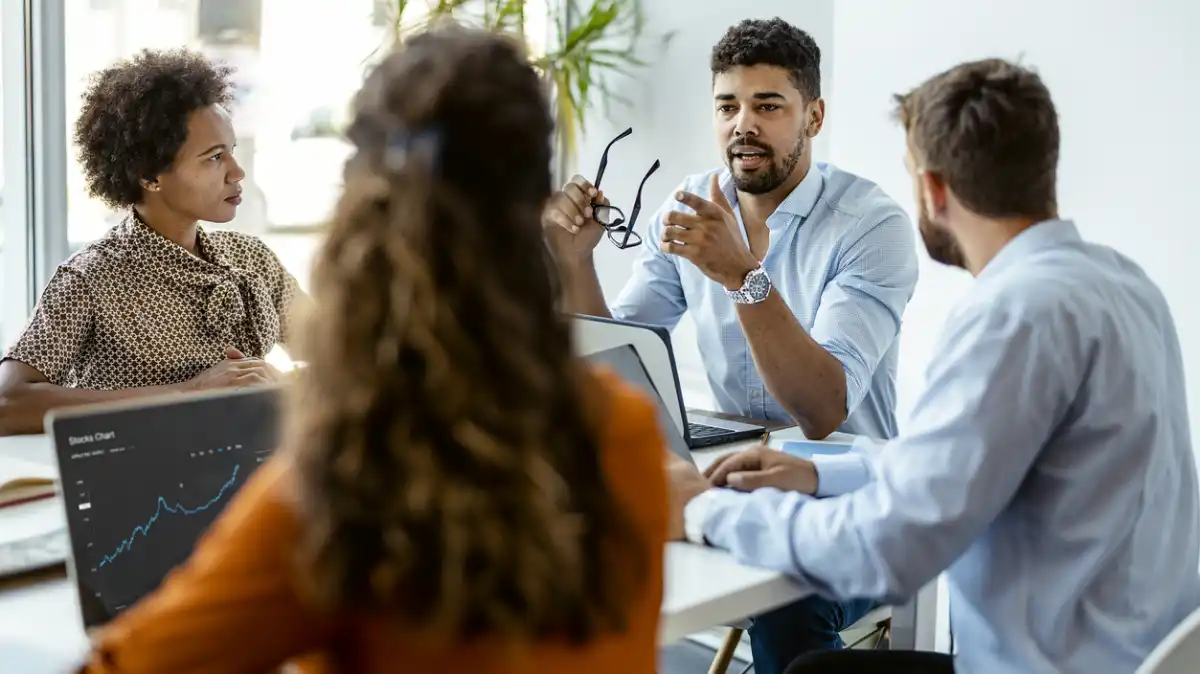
(761, 467)
(569, 221)
(236, 371)
(685, 483)
(710, 238)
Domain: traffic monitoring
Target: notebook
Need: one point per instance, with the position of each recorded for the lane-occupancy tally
(22, 481)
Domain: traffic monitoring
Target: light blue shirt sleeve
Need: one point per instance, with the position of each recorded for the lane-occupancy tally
(1000, 385)
(839, 474)
(859, 315)
(654, 293)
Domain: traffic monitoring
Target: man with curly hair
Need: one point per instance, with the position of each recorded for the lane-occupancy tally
(796, 275)
(159, 304)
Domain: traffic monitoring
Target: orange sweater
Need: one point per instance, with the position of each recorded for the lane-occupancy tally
(232, 608)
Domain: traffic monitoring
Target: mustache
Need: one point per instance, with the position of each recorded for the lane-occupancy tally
(742, 143)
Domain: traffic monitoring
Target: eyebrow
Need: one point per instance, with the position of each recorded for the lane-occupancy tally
(758, 96)
(218, 146)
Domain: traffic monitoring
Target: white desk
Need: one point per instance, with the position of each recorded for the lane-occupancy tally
(703, 587)
(707, 588)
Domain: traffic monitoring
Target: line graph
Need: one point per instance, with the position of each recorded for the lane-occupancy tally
(163, 506)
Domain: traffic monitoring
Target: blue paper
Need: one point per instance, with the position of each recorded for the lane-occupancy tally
(807, 448)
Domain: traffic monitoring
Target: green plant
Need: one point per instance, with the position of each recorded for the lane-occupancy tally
(588, 42)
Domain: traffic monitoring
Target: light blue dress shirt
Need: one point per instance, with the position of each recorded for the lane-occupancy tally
(1048, 466)
(842, 255)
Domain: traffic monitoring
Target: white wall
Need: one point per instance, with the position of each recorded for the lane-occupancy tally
(671, 118)
(1123, 79)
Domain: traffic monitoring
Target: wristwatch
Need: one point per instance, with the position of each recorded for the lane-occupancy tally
(755, 287)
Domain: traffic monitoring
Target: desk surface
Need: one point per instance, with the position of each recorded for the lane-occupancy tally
(704, 587)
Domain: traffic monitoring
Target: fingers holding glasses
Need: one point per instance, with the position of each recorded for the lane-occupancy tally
(568, 220)
(572, 207)
(558, 218)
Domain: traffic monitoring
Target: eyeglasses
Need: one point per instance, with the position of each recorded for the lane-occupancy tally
(612, 219)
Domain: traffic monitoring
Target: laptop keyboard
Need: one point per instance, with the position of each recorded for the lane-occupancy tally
(696, 430)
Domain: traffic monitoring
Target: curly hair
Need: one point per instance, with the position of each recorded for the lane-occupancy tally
(134, 118)
(772, 42)
(446, 435)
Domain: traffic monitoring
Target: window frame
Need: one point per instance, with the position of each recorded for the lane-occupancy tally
(16, 258)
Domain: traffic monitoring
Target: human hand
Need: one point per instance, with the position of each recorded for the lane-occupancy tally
(685, 483)
(236, 371)
(759, 467)
(569, 220)
(710, 238)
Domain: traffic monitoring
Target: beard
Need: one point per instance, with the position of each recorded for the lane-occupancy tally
(772, 174)
(939, 243)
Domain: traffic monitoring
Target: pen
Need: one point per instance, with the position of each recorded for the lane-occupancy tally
(766, 437)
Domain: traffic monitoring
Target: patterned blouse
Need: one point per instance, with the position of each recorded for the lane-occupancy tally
(135, 309)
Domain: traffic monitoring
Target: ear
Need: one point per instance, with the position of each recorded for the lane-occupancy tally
(934, 192)
(149, 185)
(815, 112)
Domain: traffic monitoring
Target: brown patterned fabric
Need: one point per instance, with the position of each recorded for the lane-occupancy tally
(135, 309)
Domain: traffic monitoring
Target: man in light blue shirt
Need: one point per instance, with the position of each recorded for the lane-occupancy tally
(1047, 467)
(796, 275)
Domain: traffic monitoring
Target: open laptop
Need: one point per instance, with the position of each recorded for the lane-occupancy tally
(624, 360)
(141, 481)
(653, 345)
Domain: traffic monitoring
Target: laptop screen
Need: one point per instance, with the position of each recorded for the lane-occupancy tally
(628, 365)
(141, 484)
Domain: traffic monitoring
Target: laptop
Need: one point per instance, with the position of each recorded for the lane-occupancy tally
(653, 345)
(141, 481)
(624, 360)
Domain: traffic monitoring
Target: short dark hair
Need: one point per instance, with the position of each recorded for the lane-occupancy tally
(989, 129)
(772, 42)
(134, 118)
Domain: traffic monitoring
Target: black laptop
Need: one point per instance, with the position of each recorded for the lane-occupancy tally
(624, 360)
(653, 345)
(142, 481)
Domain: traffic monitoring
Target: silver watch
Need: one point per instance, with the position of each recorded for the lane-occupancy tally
(755, 287)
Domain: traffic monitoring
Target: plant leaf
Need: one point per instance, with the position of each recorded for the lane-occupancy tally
(592, 41)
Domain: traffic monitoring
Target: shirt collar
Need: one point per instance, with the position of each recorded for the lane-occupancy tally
(799, 202)
(148, 239)
(1040, 236)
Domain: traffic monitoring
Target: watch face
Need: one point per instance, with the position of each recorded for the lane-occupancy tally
(758, 286)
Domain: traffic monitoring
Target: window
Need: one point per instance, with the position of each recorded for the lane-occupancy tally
(298, 64)
(4, 298)
(14, 266)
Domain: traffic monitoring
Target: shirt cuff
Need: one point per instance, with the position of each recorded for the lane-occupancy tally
(839, 474)
(695, 514)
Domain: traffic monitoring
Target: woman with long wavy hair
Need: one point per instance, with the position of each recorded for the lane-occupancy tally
(457, 491)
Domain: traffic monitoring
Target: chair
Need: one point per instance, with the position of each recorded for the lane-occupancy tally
(1178, 652)
(880, 620)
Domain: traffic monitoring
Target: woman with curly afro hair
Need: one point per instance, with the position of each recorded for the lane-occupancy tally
(159, 304)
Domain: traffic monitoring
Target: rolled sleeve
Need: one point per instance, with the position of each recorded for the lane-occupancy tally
(59, 330)
(654, 293)
(859, 316)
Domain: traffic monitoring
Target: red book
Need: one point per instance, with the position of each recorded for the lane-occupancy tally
(24, 481)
